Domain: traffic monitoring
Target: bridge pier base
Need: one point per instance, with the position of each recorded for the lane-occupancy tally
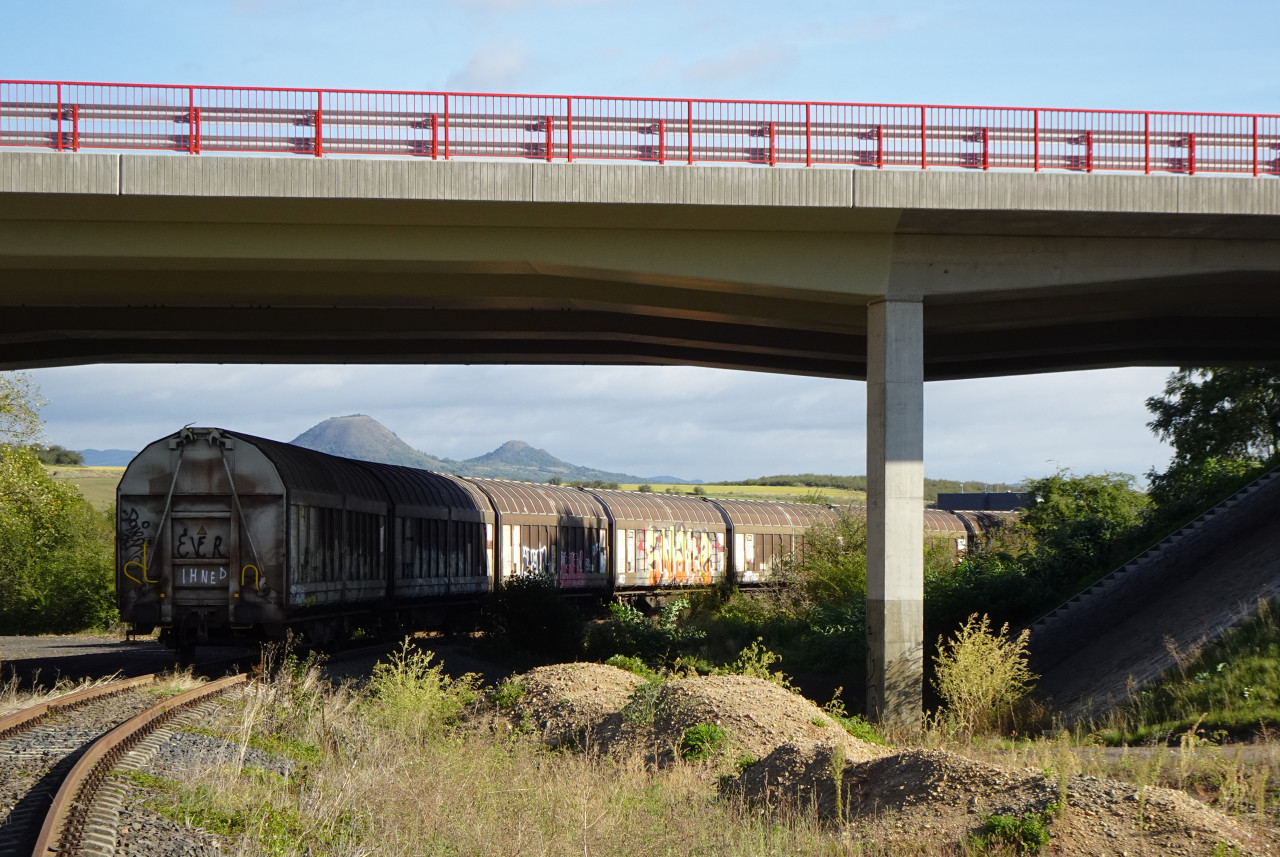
(895, 497)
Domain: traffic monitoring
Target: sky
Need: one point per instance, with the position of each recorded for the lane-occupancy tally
(695, 423)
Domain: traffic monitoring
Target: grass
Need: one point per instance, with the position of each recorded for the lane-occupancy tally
(97, 484)
(1230, 689)
(396, 768)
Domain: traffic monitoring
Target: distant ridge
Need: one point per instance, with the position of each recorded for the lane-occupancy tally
(362, 437)
(106, 457)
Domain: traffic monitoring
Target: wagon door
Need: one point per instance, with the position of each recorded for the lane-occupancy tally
(204, 556)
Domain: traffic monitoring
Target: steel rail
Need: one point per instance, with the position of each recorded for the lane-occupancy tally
(64, 821)
(24, 719)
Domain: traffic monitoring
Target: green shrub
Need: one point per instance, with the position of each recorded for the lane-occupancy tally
(856, 725)
(1026, 834)
(755, 661)
(635, 666)
(409, 695)
(702, 741)
(531, 614)
(508, 693)
(642, 706)
(981, 674)
(657, 640)
(57, 554)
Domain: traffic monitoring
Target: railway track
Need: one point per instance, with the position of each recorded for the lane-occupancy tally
(56, 756)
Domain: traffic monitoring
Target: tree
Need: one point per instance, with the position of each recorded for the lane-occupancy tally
(56, 552)
(57, 455)
(20, 405)
(1219, 413)
(1076, 520)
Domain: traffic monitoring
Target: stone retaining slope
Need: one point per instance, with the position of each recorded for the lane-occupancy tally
(1124, 630)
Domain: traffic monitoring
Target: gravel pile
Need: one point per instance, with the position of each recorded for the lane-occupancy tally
(575, 703)
(757, 715)
(922, 796)
(943, 797)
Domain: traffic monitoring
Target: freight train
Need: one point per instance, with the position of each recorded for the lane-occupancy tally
(222, 534)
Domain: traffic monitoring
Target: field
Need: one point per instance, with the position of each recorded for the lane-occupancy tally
(97, 484)
(786, 493)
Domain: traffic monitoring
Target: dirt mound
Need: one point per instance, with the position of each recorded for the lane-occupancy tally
(943, 797)
(569, 702)
(757, 715)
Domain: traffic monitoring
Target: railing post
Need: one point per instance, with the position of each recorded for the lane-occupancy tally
(319, 123)
(1035, 134)
(191, 120)
(1255, 146)
(1146, 143)
(689, 129)
(808, 138)
(1191, 153)
(662, 141)
(879, 147)
(75, 127)
(773, 150)
(924, 142)
(550, 142)
(1088, 151)
(196, 132)
(446, 127)
(58, 133)
(435, 136)
(568, 129)
(986, 151)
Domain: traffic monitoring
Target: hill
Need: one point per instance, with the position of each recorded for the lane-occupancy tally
(363, 437)
(107, 457)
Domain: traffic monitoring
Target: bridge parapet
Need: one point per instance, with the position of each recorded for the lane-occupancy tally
(73, 116)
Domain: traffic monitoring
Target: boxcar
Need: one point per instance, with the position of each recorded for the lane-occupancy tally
(663, 540)
(219, 530)
(548, 530)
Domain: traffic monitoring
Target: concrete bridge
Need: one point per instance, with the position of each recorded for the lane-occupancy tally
(890, 275)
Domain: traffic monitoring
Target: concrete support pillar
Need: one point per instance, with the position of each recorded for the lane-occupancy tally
(895, 500)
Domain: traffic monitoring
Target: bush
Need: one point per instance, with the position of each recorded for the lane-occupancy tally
(658, 641)
(702, 741)
(755, 661)
(634, 666)
(56, 552)
(531, 614)
(409, 695)
(1026, 834)
(981, 674)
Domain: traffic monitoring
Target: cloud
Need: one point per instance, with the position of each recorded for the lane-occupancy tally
(492, 69)
(697, 423)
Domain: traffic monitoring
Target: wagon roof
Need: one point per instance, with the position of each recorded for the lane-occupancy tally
(532, 498)
(638, 507)
(412, 487)
(307, 469)
(763, 513)
(938, 522)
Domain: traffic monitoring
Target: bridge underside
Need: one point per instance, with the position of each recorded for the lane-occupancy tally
(218, 316)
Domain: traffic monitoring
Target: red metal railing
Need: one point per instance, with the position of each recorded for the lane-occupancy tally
(443, 125)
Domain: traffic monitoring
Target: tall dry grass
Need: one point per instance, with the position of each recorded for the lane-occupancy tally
(375, 775)
(372, 776)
